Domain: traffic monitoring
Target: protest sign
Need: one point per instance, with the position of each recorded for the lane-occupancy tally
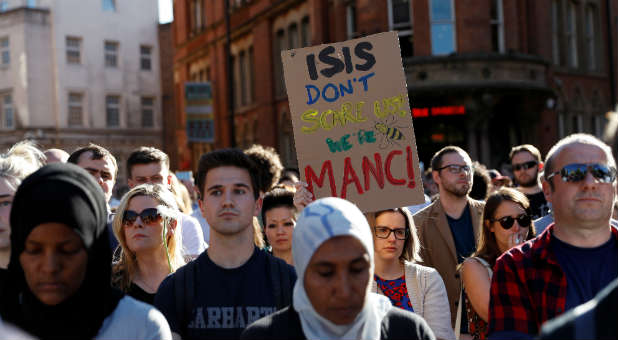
(352, 122)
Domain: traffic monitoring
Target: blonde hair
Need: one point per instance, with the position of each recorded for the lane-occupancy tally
(22, 159)
(124, 269)
(181, 194)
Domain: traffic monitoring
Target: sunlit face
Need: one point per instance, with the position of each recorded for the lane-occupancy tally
(153, 173)
(54, 261)
(525, 177)
(584, 203)
(336, 279)
(6, 200)
(457, 184)
(504, 237)
(279, 225)
(102, 170)
(140, 236)
(389, 248)
(228, 203)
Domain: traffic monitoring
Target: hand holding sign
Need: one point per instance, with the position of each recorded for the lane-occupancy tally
(352, 123)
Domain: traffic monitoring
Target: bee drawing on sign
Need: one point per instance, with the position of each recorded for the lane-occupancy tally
(391, 134)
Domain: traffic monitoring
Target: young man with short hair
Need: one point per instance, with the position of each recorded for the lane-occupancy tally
(151, 165)
(526, 164)
(233, 283)
(575, 257)
(449, 227)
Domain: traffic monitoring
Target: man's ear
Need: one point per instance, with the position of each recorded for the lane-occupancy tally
(547, 191)
(436, 177)
(202, 206)
(258, 205)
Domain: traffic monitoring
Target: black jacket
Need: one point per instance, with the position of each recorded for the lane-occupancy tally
(285, 324)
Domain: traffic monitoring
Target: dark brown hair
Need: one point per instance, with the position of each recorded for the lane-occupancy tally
(226, 157)
(98, 152)
(147, 155)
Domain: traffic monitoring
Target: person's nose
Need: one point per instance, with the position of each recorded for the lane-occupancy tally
(343, 286)
(589, 182)
(51, 264)
(227, 199)
(280, 229)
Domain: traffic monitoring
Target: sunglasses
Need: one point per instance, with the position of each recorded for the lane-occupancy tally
(525, 166)
(577, 172)
(507, 221)
(455, 168)
(148, 216)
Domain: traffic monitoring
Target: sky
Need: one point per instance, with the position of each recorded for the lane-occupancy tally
(165, 11)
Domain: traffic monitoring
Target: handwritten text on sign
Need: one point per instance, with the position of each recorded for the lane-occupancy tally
(352, 122)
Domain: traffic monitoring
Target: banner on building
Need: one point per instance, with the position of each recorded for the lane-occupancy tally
(199, 112)
(352, 122)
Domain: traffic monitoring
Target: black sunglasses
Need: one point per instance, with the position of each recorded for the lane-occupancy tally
(507, 221)
(525, 166)
(385, 232)
(148, 216)
(577, 172)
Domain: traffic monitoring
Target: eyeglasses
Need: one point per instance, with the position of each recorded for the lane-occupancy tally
(148, 216)
(385, 232)
(455, 168)
(577, 172)
(525, 166)
(507, 221)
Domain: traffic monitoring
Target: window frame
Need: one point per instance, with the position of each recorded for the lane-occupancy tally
(72, 104)
(109, 6)
(557, 32)
(147, 107)
(73, 49)
(571, 35)
(143, 57)
(452, 21)
(499, 22)
(111, 55)
(591, 24)
(5, 50)
(109, 110)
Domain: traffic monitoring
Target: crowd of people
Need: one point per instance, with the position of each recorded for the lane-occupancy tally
(244, 251)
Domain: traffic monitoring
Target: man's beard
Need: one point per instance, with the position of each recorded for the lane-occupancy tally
(532, 182)
(456, 191)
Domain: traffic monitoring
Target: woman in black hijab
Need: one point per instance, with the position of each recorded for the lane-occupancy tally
(58, 281)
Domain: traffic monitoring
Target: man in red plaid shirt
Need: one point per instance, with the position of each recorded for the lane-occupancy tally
(574, 258)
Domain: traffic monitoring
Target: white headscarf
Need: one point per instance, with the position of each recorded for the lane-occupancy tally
(319, 222)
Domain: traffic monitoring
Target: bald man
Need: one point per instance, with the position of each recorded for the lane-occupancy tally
(56, 156)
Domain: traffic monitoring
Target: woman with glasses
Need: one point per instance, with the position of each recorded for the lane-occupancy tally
(409, 286)
(506, 223)
(146, 228)
(279, 216)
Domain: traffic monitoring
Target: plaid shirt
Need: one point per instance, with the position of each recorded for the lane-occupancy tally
(528, 287)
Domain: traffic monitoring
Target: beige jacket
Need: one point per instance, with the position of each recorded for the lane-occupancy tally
(438, 247)
(428, 297)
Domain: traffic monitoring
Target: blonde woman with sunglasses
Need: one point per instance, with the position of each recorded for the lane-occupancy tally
(147, 230)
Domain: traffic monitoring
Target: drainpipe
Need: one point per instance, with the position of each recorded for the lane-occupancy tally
(610, 54)
(230, 78)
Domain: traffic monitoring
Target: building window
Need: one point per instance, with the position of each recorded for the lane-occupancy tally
(31, 3)
(236, 82)
(294, 41)
(111, 54)
(244, 91)
(591, 45)
(350, 12)
(74, 50)
(571, 34)
(597, 125)
(305, 32)
(197, 19)
(399, 19)
(555, 32)
(6, 111)
(442, 27)
(279, 46)
(76, 109)
(251, 77)
(561, 130)
(577, 123)
(109, 5)
(497, 26)
(4, 5)
(5, 52)
(112, 110)
(145, 57)
(147, 112)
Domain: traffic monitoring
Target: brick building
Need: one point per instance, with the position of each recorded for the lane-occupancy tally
(482, 74)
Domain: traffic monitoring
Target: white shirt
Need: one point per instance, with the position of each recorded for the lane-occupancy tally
(134, 319)
(192, 236)
(197, 213)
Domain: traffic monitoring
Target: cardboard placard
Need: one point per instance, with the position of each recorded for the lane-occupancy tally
(352, 122)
